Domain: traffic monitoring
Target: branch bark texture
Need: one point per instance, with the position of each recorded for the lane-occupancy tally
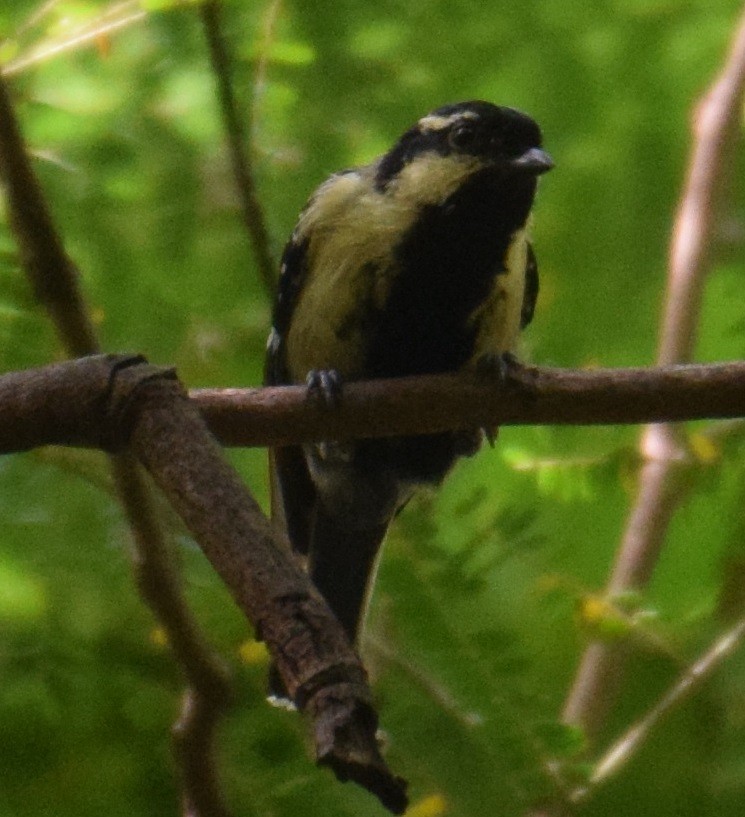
(113, 402)
(69, 403)
(144, 409)
(424, 405)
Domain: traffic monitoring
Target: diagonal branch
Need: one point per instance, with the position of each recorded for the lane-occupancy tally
(55, 279)
(209, 693)
(240, 152)
(694, 676)
(716, 124)
(112, 19)
(52, 273)
(110, 402)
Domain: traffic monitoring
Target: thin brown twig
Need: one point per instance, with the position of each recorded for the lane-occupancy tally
(55, 279)
(52, 273)
(113, 19)
(240, 151)
(35, 17)
(208, 695)
(269, 22)
(624, 748)
(715, 130)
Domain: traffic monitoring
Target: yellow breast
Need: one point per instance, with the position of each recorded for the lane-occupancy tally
(497, 320)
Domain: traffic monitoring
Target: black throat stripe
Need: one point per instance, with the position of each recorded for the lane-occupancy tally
(448, 263)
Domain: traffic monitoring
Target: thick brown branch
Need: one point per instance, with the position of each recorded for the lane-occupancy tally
(61, 404)
(145, 408)
(419, 405)
(70, 404)
(317, 664)
(98, 401)
(56, 283)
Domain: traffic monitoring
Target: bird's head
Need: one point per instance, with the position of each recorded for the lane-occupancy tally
(500, 138)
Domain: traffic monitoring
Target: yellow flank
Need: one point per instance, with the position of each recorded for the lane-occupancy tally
(432, 805)
(349, 256)
(497, 320)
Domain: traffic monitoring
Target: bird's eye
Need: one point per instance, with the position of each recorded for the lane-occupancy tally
(462, 137)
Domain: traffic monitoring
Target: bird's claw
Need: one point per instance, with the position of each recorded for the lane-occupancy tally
(502, 366)
(325, 386)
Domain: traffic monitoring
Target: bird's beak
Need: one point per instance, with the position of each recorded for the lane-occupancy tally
(534, 160)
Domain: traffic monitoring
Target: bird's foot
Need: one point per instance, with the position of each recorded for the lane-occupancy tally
(503, 366)
(324, 386)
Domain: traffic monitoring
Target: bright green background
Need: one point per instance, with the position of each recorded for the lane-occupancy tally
(473, 633)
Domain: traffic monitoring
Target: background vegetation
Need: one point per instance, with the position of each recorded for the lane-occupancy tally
(481, 609)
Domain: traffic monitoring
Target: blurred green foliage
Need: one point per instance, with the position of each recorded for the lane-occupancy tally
(474, 632)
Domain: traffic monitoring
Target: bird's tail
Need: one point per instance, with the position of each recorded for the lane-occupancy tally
(343, 561)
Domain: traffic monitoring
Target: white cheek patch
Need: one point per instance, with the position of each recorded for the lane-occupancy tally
(435, 122)
(430, 180)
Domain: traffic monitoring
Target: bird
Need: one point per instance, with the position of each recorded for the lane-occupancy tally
(417, 263)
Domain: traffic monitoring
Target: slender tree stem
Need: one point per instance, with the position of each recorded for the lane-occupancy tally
(715, 130)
